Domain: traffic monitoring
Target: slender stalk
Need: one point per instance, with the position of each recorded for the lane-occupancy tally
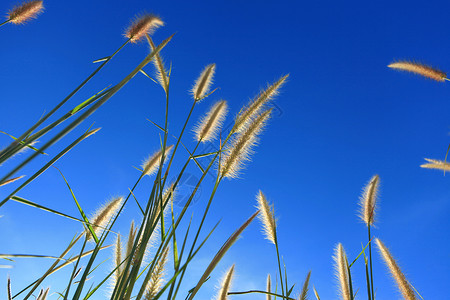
(6, 153)
(279, 265)
(260, 292)
(74, 270)
(370, 262)
(4, 23)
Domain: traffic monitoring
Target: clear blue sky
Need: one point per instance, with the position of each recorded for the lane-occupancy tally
(343, 117)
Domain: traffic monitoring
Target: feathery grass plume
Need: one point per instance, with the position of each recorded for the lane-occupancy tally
(151, 164)
(225, 284)
(420, 69)
(249, 112)
(239, 151)
(436, 164)
(342, 275)
(11, 180)
(103, 215)
(268, 287)
(368, 201)
(209, 125)
(402, 283)
(117, 261)
(267, 217)
(161, 72)
(25, 12)
(131, 237)
(142, 25)
(157, 277)
(203, 82)
(304, 293)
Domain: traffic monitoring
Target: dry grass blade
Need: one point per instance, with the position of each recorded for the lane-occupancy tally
(342, 275)
(103, 215)
(252, 110)
(368, 201)
(267, 217)
(210, 124)
(203, 82)
(25, 12)
(157, 277)
(241, 148)
(436, 164)
(304, 293)
(225, 285)
(12, 180)
(221, 253)
(43, 294)
(402, 283)
(141, 26)
(419, 69)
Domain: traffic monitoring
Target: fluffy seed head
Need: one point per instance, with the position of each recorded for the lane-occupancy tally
(103, 215)
(368, 201)
(402, 283)
(240, 149)
(341, 266)
(142, 25)
(210, 124)
(225, 284)
(203, 82)
(419, 69)
(151, 164)
(436, 164)
(251, 110)
(25, 12)
(268, 287)
(267, 217)
(157, 278)
(161, 72)
(117, 261)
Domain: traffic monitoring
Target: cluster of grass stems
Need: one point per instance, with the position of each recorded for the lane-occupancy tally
(137, 274)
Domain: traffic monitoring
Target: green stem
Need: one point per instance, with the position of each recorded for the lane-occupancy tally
(260, 292)
(370, 262)
(279, 265)
(4, 23)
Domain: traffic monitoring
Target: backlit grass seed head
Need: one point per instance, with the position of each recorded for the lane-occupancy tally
(436, 164)
(141, 26)
(210, 124)
(420, 69)
(341, 264)
(268, 287)
(267, 217)
(151, 164)
(203, 82)
(117, 261)
(251, 110)
(157, 278)
(161, 72)
(240, 149)
(25, 12)
(225, 284)
(402, 283)
(103, 215)
(368, 201)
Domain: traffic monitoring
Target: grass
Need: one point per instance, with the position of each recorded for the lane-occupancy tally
(138, 273)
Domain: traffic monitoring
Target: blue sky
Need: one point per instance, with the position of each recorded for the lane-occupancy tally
(342, 117)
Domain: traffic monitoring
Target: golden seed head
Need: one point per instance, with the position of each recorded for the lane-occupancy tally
(368, 201)
(402, 283)
(157, 277)
(210, 124)
(268, 287)
(152, 163)
(103, 215)
(436, 164)
(267, 217)
(420, 69)
(225, 284)
(341, 266)
(203, 82)
(25, 12)
(142, 25)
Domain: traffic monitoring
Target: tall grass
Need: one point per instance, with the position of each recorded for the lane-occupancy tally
(137, 272)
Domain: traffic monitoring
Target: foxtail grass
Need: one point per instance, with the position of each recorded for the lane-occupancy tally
(225, 284)
(436, 164)
(203, 83)
(342, 273)
(419, 69)
(25, 12)
(210, 124)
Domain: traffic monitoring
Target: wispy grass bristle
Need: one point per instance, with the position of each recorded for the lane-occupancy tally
(368, 201)
(419, 69)
(341, 266)
(210, 124)
(145, 24)
(225, 284)
(267, 217)
(25, 12)
(151, 164)
(402, 283)
(436, 164)
(249, 112)
(240, 149)
(203, 82)
(103, 215)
